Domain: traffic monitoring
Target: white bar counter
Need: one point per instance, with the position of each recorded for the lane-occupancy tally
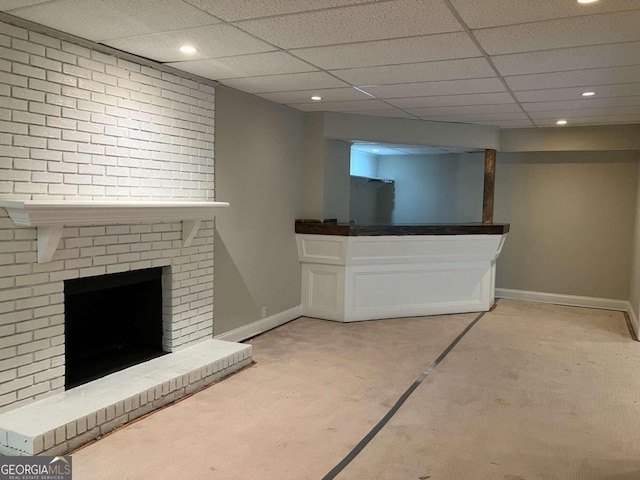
(353, 273)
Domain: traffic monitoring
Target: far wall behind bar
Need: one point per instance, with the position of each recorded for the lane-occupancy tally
(571, 213)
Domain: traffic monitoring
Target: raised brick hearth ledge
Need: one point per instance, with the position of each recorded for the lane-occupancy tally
(63, 422)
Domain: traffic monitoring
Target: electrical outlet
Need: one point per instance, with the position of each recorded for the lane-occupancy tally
(264, 312)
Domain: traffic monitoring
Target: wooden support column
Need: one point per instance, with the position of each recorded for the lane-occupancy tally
(489, 186)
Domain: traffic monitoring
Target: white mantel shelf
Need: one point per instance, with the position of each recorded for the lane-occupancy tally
(51, 216)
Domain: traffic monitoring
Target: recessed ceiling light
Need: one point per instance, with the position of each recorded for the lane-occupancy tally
(587, 1)
(588, 94)
(375, 150)
(316, 98)
(561, 122)
(187, 49)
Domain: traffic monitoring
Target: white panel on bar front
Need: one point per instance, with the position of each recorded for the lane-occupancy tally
(362, 278)
(420, 248)
(323, 291)
(325, 250)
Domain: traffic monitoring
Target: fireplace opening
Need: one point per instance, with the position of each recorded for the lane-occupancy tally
(111, 322)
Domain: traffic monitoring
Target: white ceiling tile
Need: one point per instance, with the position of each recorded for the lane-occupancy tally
(490, 13)
(398, 146)
(451, 87)
(465, 110)
(575, 78)
(418, 72)
(376, 148)
(587, 102)
(353, 106)
(270, 63)
(390, 52)
(470, 118)
(211, 41)
(595, 120)
(285, 83)
(572, 93)
(361, 144)
(389, 151)
(244, 9)
(107, 19)
(384, 113)
(364, 146)
(576, 58)
(452, 100)
(6, 5)
(568, 32)
(587, 112)
(373, 21)
(413, 53)
(327, 94)
(386, 151)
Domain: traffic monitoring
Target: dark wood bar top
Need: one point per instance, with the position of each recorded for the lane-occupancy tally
(350, 230)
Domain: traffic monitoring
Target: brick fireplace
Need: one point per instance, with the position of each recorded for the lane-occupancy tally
(112, 322)
(79, 125)
(37, 295)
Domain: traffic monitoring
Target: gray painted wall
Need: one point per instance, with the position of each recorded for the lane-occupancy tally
(572, 214)
(600, 138)
(370, 202)
(337, 154)
(348, 126)
(469, 196)
(634, 293)
(431, 188)
(312, 179)
(424, 184)
(364, 164)
(363, 198)
(572, 220)
(363, 204)
(258, 152)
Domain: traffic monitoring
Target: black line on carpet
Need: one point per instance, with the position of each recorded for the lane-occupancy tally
(632, 332)
(374, 431)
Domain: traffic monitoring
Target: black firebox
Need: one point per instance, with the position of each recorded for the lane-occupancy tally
(111, 322)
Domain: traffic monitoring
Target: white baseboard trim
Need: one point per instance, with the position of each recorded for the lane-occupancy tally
(260, 326)
(559, 299)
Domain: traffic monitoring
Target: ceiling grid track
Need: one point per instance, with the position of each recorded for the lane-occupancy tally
(280, 49)
(501, 63)
(486, 56)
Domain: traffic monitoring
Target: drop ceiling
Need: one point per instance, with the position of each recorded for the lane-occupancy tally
(511, 63)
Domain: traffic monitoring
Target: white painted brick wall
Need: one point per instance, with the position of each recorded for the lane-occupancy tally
(77, 123)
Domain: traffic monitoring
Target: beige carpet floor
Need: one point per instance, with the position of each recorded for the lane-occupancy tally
(533, 391)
